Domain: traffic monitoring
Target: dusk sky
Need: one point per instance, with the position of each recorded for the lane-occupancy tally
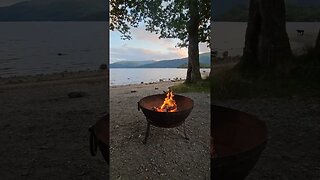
(145, 46)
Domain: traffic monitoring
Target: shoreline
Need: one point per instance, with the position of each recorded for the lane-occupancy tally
(147, 84)
(58, 78)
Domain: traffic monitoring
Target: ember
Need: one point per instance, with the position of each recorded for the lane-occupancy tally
(169, 104)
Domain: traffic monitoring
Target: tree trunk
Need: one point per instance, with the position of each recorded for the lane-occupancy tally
(318, 43)
(266, 42)
(212, 58)
(189, 72)
(213, 54)
(193, 73)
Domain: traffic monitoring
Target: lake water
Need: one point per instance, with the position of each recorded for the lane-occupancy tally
(230, 36)
(29, 48)
(122, 76)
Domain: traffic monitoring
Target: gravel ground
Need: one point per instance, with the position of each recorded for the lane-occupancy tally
(167, 155)
(293, 149)
(44, 133)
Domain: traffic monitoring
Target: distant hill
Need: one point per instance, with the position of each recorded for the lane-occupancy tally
(129, 64)
(296, 10)
(173, 63)
(56, 10)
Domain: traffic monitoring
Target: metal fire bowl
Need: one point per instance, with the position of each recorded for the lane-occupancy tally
(238, 141)
(99, 137)
(165, 119)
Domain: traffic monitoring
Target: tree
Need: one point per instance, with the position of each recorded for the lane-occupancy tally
(266, 42)
(318, 42)
(186, 20)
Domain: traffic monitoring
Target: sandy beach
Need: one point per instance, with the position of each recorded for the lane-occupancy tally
(167, 154)
(44, 133)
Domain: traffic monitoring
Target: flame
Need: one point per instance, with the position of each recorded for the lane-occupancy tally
(169, 104)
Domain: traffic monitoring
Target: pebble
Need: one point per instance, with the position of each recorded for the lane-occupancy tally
(77, 94)
(103, 66)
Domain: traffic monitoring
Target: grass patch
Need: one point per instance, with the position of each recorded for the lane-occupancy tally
(227, 82)
(303, 79)
(202, 86)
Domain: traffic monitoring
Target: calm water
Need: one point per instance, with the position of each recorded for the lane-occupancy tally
(230, 36)
(28, 48)
(122, 76)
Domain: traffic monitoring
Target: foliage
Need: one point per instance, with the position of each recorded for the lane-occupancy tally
(168, 18)
(201, 65)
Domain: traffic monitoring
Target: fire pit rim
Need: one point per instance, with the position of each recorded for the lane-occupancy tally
(176, 112)
(261, 144)
(165, 119)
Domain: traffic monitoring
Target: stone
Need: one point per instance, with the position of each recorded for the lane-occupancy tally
(78, 94)
(103, 66)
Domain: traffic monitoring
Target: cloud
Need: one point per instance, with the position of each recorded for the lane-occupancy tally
(140, 34)
(141, 54)
(203, 48)
(146, 46)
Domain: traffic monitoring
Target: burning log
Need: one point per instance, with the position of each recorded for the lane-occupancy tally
(154, 117)
(169, 104)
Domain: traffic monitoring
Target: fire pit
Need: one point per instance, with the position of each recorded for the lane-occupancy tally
(159, 118)
(237, 140)
(99, 137)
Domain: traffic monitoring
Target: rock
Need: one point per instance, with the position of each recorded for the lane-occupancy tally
(43, 147)
(103, 66)
(78, 94)
(61, 54)
(156, 88)
(133, 91)
(25, 173)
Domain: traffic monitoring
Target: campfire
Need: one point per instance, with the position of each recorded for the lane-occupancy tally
(169, 104)
(165, 110)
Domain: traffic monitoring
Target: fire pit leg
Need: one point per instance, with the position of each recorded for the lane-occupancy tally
(147, 134)
(184, 130)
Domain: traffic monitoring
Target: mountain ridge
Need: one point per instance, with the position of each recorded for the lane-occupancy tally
(96, 10)
(55, 10)
(238, 10)
(204, 59)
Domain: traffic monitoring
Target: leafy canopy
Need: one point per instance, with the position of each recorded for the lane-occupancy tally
(168, 18)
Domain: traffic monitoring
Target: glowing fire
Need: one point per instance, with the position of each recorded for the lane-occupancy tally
(169, 104)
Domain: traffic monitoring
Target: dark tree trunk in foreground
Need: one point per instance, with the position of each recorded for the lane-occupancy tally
(318, 42)
(266, 42)
(212, 59)
(212, 53)
(193, 73)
